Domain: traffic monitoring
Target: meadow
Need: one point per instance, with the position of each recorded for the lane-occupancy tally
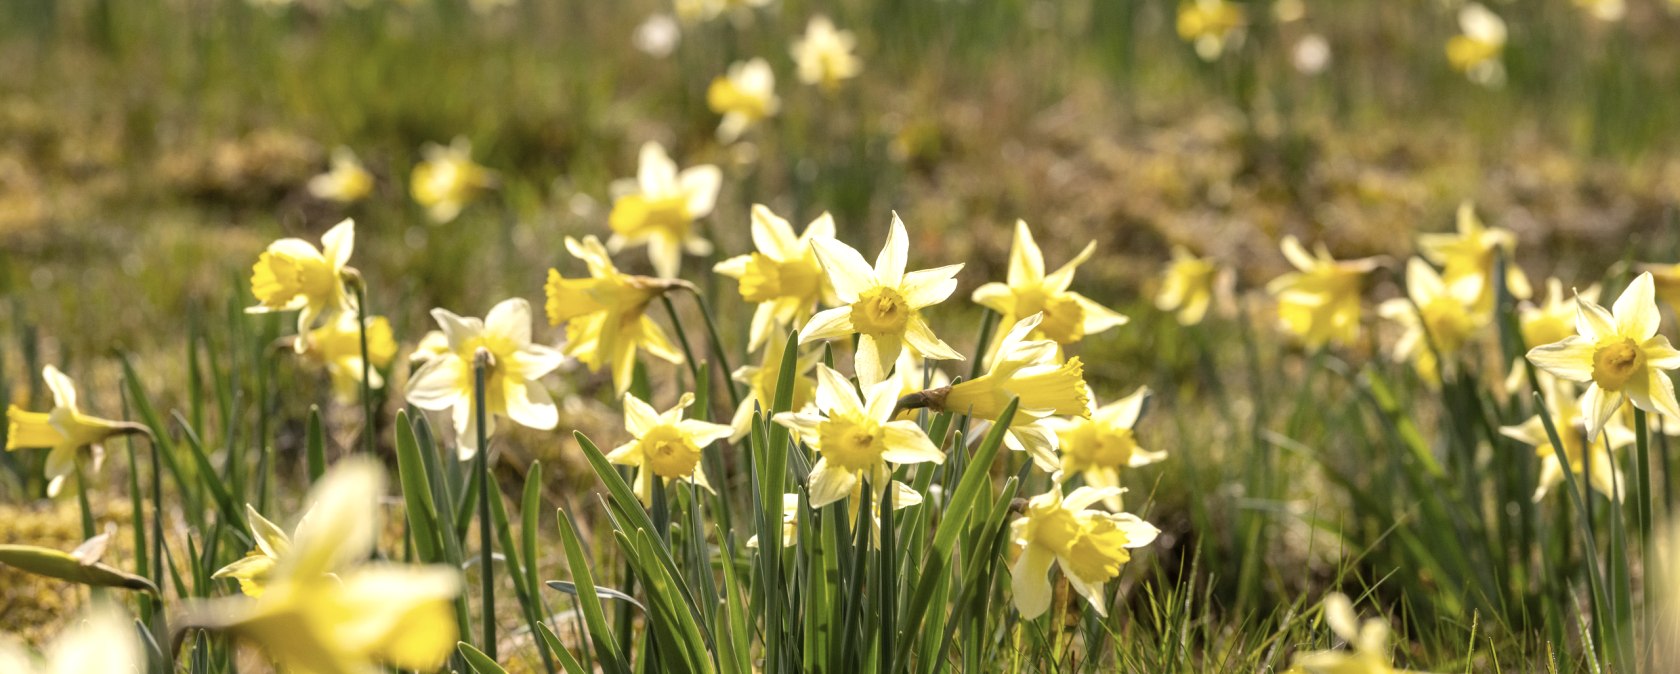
(346, 336)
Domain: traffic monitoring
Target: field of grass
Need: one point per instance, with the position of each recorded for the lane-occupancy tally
(1360, 434)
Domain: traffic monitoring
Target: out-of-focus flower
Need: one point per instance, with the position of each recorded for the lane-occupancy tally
(432, 345)
(1565, 411)
(606, 314)
(657, 36)
(447, 179)
(1210, 25)
(105, 641)
(881, 305)
(1089, 545)
(856, 436)
(1311, 54)
(1286, 11)
(1666, 280)
(293, 275)
(338, 345)
(1319, 303)
(1439, 317)
(664, 445)
(824, 55)
(1620, 354)
(1067, 316)
(744, 96)
(1553, 320)
(1370, 654)
(761, 389)
(783, 277)
(513, 364)
(1099, 446)
(1608, 11)
(347, 181)
(659, 209)
(1472, 253)
(62, 431)
(253, 570)
(1187, 286)
(1477, 51)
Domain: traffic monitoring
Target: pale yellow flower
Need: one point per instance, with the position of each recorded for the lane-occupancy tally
(1370, 654)
(447, 179)
(1028, 370)
(881, 305)
(1089, 545)
(338, 345)
(1608, 11)
(62, 431)
(1554, 319)
(606, 314)
(1098, 447)
(293, 275)
(1666, 277)
(761, 389)
(1476, 52)
(513, 365)
(745, 96)
(1439, 317)
(346, 182)
(659, 208)
(1210, 25)
(664, 445)
(254, 569)
(1620, 354)
(1068, 316)
(105, 641)
(1187, 286)
(783, 277)
(825, 56)
(1319, 303)
(1471, 254)
(432, 345)
(857, 438)
(1565, 410)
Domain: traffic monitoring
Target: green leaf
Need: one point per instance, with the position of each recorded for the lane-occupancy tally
(66, 566)
(589, 603)
(419, 507)
(480, 662)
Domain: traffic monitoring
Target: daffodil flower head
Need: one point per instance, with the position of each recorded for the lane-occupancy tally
(783, 276)
(1211, 26)
(1187, 286)
(1439, 317)
(882, 305)
(253, 570)
(1565, 410)
(857, 437)
(1477, 50)
(1067, 316)
(761, 388)
(1101, 446)
(745, 96)
(293, 275)
(1472, 252)
(1618, 354)
(664, 446)
(347, 181)
(660, 207)
(606, 314)
(824, 55)
(1319, 302)
(1370, 654)
(104, 641)
(63, 431)
(1090, 546)
(447, 179)
(513, 364)
(1553, 320)
(337, 344)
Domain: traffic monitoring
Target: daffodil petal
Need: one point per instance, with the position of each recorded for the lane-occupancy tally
(1570, 359)
(1636, 310)
(1030, 581)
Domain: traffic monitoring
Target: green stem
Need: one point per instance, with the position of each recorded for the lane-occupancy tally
(367, 372)
(717, 348)
(485, 541)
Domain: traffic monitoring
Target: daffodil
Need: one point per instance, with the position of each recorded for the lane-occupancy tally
(104, 641)
(62, 431)
(324, 608)
(347, 181)
(745, 96)
(1608, 11)
(1067, 316)
(432, 345)
(883, 305)
(1477, 50)
(1565, 411)
(1370, 654)
(664, 445)
(1666, 278)
(824, 55)
(293, 275)
(254, 569)
(1439, 317)
(447, 179)
(761, 389)
(513, 364)
(606, 314)
(1554, 319)
(1187, 286)
(1099, 446)
(1620, 355)
(856, 436)
(1471, 254)
(1319, 303)
(783, 277)
(1210, 25)
(659, 209)
(1089, 545)
(338, 345)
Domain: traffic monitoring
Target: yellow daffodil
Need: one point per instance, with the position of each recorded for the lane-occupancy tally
(346, 182)
(606, 314)
(790, 523)
(293, 275)
(105, 641)
(447, 179)
(856, 436)
(883, 305)
(1565, 411)
(513, 364)
(1608, 11)
(824, 55)
(1477, 51)
(1210, 25)
(1666, 278)
(1370, 653)
(338, 346)
(1620, 354)
(1098, 447)
(1088, 545)
(664, 445)
(1319, 303)
(1471, 254)
(324, 608)
(253, 570)
(1439, 317)
(761, 389)
(659, 209)
(1067, 316)
(1554, 319)
(745, 96)
(1187, 286)
(62, 431)
(783, 277)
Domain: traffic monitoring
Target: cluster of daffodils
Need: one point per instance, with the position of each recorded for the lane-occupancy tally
(443, 182)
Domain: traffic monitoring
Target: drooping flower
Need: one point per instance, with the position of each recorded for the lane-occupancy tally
(1319, 303)
(62, 431)
(856, 436)
(659, 209)
(105, 641)
(1068, 316)
(745, 96)
(254, 569)
(1210, 25)
(664, 445)
(824, 55)
(513, 364)
(1571, 426)
(606, 314)
(1472, 252)
(346, 182)
(883, 305)
(1477, 51)
(1370, 654)
(783, 277)
(1089, 545)
(338, 345)
(1439, 317)
(293, 275)
(1619, 355)
(447, 179)
(1187, 286)
(761, 388)
(1100, 446)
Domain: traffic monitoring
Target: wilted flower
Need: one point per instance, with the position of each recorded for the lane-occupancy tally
(1187, 286)
(761, 389)
(1476, 52)
(606, 314)
(1565, 411)
(1100, 445)
(744, 96)
(1068, 316)
(1472, 253)
(783, 277)
(1319, 304)
(105, 641)
(447, 178)
(345, 182)
(659, 209)
(513, 364)
(338, 345)
(1089, 546)
(664, 445)
(62, 431)
(293, 275)
(1370, 653)
(856, 436)
(1210, 25)
(824, 55)
(1439, 316)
